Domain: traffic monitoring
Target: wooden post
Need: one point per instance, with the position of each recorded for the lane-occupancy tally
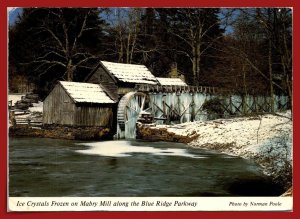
(178, 103)
(230, 105)
(193, 108)
(164, 108)
(244, 104)
(254, 103)
(12, 118)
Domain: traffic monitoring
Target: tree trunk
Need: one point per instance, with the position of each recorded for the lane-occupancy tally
(244, 80)
(285, 65)
(128, 47)
(290, 92)
(194, 65)
(271, 76)
(70, 71)
(198, 59)
(121, 49)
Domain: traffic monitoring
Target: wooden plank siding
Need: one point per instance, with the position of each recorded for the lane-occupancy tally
(124, 90)
(102, 77)
(94, 116)
(59, 108)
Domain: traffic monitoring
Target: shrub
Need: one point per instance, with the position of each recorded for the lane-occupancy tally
(214, 107)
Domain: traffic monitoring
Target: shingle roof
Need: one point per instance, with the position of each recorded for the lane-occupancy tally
(171, 81)
(86, 92)
(138, 74)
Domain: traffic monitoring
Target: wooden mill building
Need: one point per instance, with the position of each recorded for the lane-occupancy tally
(119, 79)
(95, 102)
(78, 104)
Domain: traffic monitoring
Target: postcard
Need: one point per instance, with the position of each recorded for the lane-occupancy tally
(150, 108)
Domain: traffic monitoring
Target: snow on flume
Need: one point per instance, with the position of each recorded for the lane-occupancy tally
(266, 139)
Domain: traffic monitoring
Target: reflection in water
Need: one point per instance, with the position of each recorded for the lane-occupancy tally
(113, 163)
(49, 167)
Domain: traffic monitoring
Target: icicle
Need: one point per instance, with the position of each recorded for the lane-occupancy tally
(179, 107)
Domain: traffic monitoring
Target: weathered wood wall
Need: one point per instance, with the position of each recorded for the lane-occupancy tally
(58, 107)
(94, 116)
(100, 76)
(124, 90)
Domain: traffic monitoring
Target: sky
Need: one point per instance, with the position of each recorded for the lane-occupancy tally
(14, 12)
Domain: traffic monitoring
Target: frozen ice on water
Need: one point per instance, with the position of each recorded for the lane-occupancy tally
(125, 149)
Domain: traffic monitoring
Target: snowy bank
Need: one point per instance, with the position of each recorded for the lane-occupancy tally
(266, 139)
(33, 113)
(15, 97)
(37, 107)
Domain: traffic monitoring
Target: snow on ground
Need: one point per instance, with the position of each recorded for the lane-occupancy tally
(33, 113)
(37, 107)
(14, 98)
(267, 139)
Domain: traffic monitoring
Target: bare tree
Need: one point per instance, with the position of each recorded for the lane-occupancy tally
(60, 33)
(276, 25)
(259, 43)
(126, 28)
(196, 35)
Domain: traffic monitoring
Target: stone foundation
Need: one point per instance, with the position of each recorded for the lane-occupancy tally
(62, 132)
(147, 132)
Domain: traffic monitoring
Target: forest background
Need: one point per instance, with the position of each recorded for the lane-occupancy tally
(247, 50)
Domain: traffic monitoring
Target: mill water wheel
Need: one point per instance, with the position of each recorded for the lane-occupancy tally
(133, 107)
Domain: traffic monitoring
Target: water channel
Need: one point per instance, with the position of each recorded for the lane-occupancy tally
(50, 167)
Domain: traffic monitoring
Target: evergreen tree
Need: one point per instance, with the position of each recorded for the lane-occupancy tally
(48, 44)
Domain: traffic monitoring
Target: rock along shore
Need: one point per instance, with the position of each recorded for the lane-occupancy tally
(61, 132)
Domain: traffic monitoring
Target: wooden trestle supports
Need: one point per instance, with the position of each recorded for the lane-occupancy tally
(178, 88)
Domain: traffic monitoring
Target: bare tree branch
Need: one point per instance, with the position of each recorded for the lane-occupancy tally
(55, 37)
(49, 53)
(82, 29)
(46, 62)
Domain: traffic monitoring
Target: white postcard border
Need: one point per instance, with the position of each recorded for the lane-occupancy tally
(35, 204)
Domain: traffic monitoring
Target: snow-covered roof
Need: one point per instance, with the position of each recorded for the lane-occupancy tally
(86, 92)
(130, 73)
(171, 81)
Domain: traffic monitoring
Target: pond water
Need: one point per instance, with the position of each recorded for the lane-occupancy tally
(50, 167)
